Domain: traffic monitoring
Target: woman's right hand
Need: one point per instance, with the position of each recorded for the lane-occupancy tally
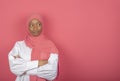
(42, 62)
(17, 56)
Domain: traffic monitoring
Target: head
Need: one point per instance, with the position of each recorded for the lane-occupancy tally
(35, 26)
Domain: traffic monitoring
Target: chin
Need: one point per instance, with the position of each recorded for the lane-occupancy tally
(35, 35)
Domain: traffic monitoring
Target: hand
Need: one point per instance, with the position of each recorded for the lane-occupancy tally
(17, 56)
(42, 62)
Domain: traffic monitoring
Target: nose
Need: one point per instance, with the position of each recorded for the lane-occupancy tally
(35, 27)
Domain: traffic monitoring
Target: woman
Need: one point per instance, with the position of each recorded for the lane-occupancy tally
(36, 57)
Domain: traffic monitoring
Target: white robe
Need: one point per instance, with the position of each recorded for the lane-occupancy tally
(23, 67)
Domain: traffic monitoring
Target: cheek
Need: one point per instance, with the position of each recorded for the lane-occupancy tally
(30, 29)
(40, 28)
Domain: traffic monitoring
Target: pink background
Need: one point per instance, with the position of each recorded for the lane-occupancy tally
(86, 32)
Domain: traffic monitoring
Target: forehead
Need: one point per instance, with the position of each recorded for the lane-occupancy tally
(34, 20)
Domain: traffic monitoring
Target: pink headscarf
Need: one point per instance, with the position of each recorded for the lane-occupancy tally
(41, 46)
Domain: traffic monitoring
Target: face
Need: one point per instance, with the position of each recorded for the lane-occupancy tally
(35, 27)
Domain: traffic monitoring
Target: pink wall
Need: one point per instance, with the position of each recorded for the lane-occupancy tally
(87, 33)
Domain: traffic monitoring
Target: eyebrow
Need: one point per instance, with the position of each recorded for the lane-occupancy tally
(36, 22)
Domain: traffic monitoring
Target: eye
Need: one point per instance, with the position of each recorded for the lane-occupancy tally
(39, 24)
(31, 25)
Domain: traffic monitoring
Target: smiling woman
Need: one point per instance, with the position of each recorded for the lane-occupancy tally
(36, 57)
(35, 27)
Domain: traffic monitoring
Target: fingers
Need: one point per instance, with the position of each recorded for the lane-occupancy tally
(17, 56)
(42, 62)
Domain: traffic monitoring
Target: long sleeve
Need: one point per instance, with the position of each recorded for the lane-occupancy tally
(19, 66)
(48, 71)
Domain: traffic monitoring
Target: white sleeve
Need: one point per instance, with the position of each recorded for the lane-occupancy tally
(19, 66)
(48, 71)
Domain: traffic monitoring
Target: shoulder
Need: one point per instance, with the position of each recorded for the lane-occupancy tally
(19, 43)
(51, 42)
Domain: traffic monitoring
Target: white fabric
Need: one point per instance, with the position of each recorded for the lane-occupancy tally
(23, 67)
